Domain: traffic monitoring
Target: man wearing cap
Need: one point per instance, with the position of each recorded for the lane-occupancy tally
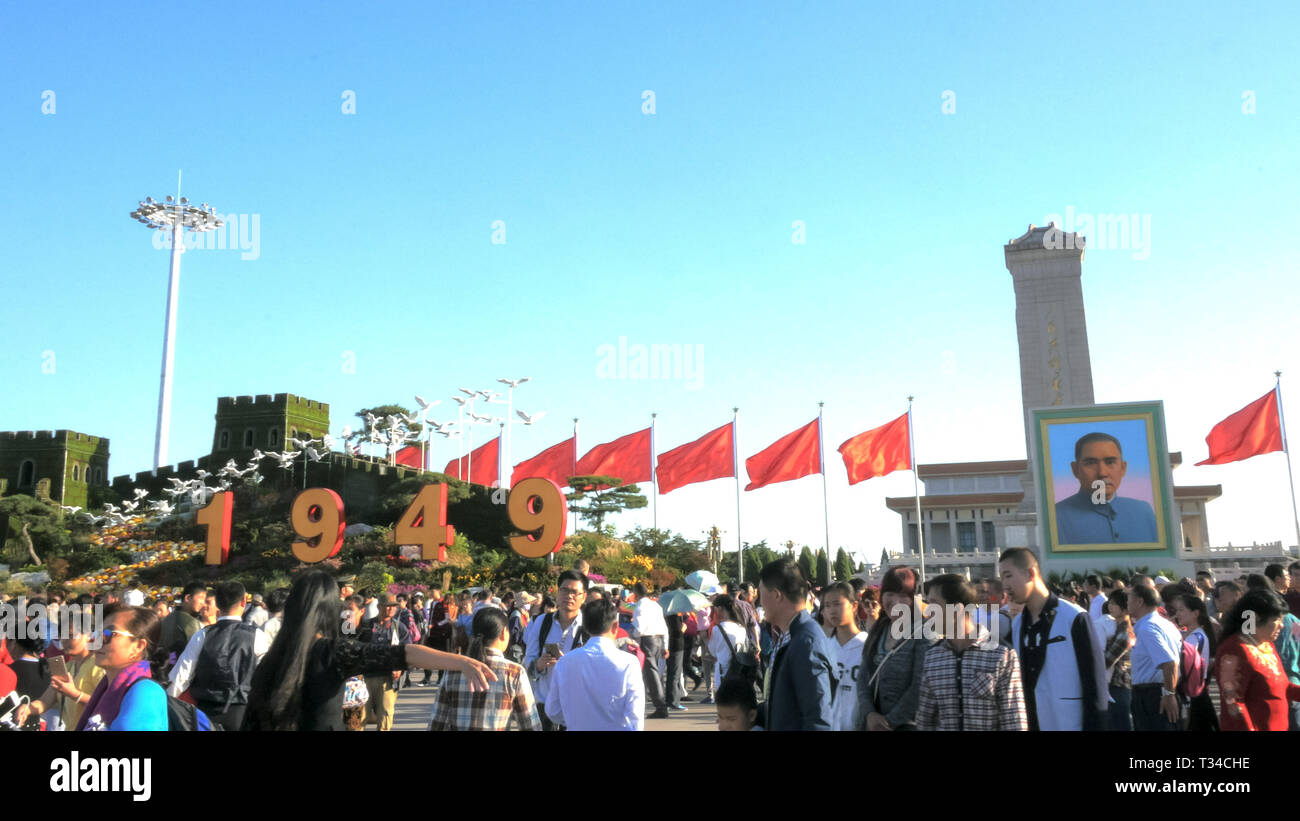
(386, 628)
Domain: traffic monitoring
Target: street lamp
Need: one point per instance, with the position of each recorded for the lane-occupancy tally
(177, 216)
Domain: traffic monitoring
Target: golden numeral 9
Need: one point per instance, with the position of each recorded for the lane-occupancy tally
(317, 518)
(537, 508)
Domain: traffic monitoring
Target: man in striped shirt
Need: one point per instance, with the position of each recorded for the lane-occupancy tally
(970, 681)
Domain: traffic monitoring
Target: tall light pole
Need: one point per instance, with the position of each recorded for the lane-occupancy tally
(177, 216)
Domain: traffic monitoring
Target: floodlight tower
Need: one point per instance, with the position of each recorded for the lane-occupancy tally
(177, 216)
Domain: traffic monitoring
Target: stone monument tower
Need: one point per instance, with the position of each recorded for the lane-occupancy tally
(1046, 266)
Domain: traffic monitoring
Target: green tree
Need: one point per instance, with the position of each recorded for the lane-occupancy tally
(595, 497)
(823, 567)
(46, 526)
(807, 564)
(668, 549)
(843, 566)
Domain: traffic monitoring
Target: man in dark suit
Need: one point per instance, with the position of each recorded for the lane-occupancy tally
(800, 683)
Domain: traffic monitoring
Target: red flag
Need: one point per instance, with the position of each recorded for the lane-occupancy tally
(481, 464)
(878, 451)
(712, 456)
(792, 456)
(554, 463)
(1253, 430)
(627, 458)
(409, 456)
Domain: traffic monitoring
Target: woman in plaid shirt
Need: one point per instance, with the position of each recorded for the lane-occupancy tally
(508, 702)
(970, 681)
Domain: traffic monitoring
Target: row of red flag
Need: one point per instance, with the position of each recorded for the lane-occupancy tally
(873, 453)
(1253, 430)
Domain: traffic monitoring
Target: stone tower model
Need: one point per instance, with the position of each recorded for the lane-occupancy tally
(1046, 266)
(266, 423)
(61, 465)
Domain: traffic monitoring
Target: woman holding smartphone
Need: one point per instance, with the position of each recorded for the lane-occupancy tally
(73, 677)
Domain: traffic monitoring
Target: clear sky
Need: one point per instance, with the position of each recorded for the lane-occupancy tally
(376, 228)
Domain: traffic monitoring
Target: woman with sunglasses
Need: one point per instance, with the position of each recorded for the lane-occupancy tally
(127, 698)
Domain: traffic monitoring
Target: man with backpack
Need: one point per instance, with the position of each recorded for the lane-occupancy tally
(550, 636)
(217, 664)
(1156, 655)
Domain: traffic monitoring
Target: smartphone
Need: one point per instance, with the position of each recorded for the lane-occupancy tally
(553, 650)
(7, 706)
(58, 667)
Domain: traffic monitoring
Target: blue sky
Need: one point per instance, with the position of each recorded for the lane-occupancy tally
(671, 228)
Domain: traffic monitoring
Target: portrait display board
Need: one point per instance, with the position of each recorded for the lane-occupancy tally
(1103, 479)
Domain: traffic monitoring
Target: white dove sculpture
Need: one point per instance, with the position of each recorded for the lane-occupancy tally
(514, 383)
(530, 418)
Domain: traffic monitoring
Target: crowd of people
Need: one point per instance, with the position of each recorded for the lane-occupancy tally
(1007, 653)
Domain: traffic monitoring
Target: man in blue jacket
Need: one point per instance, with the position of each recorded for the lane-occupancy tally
(800, 683)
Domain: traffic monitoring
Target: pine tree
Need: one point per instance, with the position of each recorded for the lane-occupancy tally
(595, 497)
(807, 564)
(823, 568)
(843, 566)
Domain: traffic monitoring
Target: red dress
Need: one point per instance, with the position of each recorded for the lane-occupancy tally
(1251, 676)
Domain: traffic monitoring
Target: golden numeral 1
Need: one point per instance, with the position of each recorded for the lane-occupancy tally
(216, 515)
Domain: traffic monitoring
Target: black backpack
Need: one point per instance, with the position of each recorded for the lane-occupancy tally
(579, 639)
(744, 665)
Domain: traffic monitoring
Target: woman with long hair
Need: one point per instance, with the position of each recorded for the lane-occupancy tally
(129, 696)
(1189, 613)
(508, 702)
(726, 635)
(889, 679)
(1253, 687)
(299, 684)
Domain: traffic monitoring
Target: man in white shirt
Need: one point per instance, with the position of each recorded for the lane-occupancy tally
(219, 680)
(1096, 598)
(561, 630)
(597, 686)
(649, 627)
(1155, 658)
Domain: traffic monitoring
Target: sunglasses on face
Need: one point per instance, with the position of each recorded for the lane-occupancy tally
(110, 632)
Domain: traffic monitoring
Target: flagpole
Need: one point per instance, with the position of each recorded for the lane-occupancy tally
(920, 527)
(469, 448)
(500, 455)
(735, 466)
(821, 465)
(574, 467)
(654, 480)
(1281, 421)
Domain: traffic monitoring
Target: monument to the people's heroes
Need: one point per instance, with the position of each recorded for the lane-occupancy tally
(1046, 266)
